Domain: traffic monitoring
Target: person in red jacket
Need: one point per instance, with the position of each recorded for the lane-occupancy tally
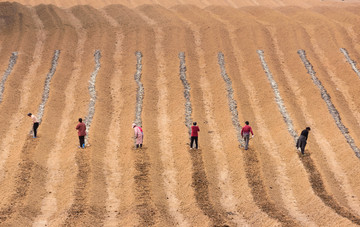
(81, 127)
(245, 134)
(194, 135)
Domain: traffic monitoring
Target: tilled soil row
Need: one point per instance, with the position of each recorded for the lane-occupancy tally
(27, 166)
(252, 167)
(332, 109)
(143, 191)
(46, 91)
(201, 188)
(316, 181)
(231, 100)
(144, 206)
(12, 62)
(92, 93)
(140, 89)
(351, 62)
(187, 88)
(200, 182)
(80, 208)
(23, 180)
(278, 99)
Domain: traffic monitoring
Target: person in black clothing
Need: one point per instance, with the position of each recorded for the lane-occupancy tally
(301, 143)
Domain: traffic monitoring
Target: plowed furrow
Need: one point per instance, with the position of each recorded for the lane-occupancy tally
(52, 210)
(261, 196)
(315, 177)
(286, 190)
(338, 178)
(28, 167)
(188, 109)
(166, 151)
(80, 206)
(350, 61)
(12, 62)
(21, 99)
(139, 90)
(92, 92)
(114, 171)
(126, 191)
(145, 208)
(45, 95)
(200, 182)
(231, 101)
(339, 88)
(332, 109)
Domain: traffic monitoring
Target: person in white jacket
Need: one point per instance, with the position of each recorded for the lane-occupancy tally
(35, 123)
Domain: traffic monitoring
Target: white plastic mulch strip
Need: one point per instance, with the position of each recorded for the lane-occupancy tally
(326, 97)
(188, 109)
(92, 93)
(12, 62)
(351, 62)
(278, 99)
(231, 101)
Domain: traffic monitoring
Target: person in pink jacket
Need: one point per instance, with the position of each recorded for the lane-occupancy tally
(139, 135)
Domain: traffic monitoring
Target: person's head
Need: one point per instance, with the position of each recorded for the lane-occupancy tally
(194, 123)
(133, 125)
(308, 128)
(29, 114)
(80, 119)
(246, 122)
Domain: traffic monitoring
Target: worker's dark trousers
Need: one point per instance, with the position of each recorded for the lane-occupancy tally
(246, 139)
(82, 140)
(35, 127)
(194, 138)
(301, 143)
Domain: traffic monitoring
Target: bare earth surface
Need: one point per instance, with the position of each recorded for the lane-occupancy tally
(283, 65)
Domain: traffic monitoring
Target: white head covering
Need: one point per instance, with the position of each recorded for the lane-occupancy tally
(133, 125)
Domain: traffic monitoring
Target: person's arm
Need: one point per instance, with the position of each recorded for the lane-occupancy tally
(242, 132)
(77, 127)
(251, 131)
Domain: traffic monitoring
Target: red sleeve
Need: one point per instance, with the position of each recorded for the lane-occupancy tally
(198, 129)
(77, 126)
(251, 131)
(242, 130)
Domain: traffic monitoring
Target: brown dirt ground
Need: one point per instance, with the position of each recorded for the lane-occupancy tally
(48, 181)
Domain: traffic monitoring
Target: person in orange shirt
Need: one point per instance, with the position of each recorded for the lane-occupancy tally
(35, 123)
(245, 134)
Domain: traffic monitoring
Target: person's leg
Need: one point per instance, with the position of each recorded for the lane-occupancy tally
(35, 126)
(191, 142)
(303, 144)
(82, 141)
(196, 142)
(246, 138)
